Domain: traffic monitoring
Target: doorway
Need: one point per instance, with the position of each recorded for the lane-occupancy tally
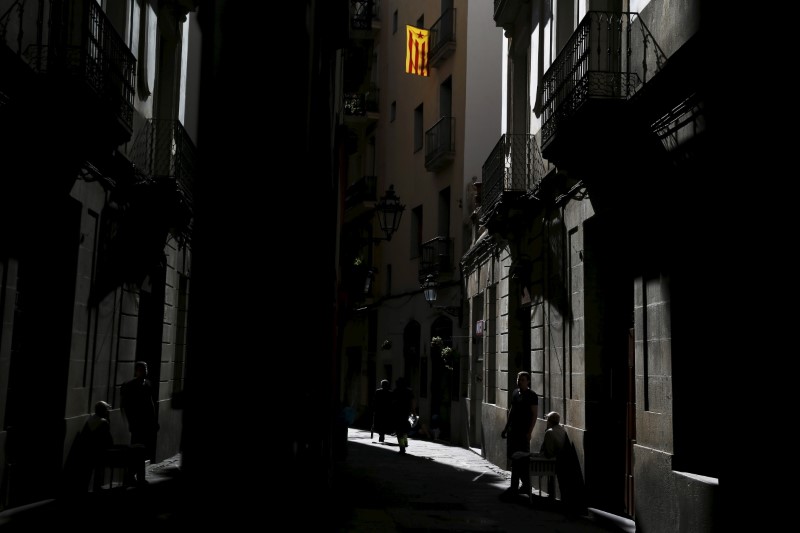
(441, 378)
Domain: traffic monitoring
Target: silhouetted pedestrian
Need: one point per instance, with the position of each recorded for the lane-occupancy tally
(522, 414)
(404, 405)
(140, 411)
(382, 417)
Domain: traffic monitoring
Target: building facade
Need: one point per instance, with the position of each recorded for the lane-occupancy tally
(420, 136)
(98, 107)
(582, 270)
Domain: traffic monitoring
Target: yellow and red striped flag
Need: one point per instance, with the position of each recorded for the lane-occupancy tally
(417, 51)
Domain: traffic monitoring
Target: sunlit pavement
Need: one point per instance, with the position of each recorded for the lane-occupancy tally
(438, 487)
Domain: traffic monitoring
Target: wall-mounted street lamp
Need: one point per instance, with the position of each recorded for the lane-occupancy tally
(390, 211)
(430, 289)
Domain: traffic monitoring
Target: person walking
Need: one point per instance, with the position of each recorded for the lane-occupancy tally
(382, 417)
(140, 410)
(522, 414)
(404, 405)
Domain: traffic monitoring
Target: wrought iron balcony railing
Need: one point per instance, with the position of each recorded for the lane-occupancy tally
(84, 45)
(363, 190)
(164, 151)
(363, 13)
(435, 257)
(607, 58)
(359, 104)
(514, 166)
(442, 38)
(440, 144)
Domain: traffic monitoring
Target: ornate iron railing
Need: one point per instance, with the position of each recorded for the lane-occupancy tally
(362, 13)
(435, 256)
(163, 153)
(608, 57)
(363, 190)
(440, 143)
(515, 165)
(84, 44)
(360, 103)
(442, 37)
(163, 149)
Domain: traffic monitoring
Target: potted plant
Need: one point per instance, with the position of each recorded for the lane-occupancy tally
(448, 353)
(449, 356)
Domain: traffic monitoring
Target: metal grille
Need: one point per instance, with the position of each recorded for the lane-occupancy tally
(440, 141)
(443, 31)
(363, 190)
(362, 14)
(360, 103)
(163, 149)
(436, 256)
(92, 51)
(604, 59)
(514, 165)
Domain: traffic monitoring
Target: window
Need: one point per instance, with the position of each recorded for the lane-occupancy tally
(416, 231)
(446, 98)
(491, 333)
(443, 226)
(393, 111)
(419, 134)
(394, 22)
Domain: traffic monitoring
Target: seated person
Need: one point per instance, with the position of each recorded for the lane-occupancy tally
(555, 437)
(96, 439)
(557, 445)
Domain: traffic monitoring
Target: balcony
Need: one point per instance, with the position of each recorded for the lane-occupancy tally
(440, 144)
(514, 168)
(507, 12)
(435, 257)
(165, 157)
(360, 197)
(364, 17)
(362, 104)
(90, 66)
(151, 199)
(586, 88)
(442, 38)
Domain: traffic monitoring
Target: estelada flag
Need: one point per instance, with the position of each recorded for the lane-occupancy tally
(417, 51)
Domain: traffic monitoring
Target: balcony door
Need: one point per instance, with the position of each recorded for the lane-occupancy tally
(445, 110)
(443, 222)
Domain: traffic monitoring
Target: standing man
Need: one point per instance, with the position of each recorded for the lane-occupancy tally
(522, 415)
(140, 410)
(382, 419)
